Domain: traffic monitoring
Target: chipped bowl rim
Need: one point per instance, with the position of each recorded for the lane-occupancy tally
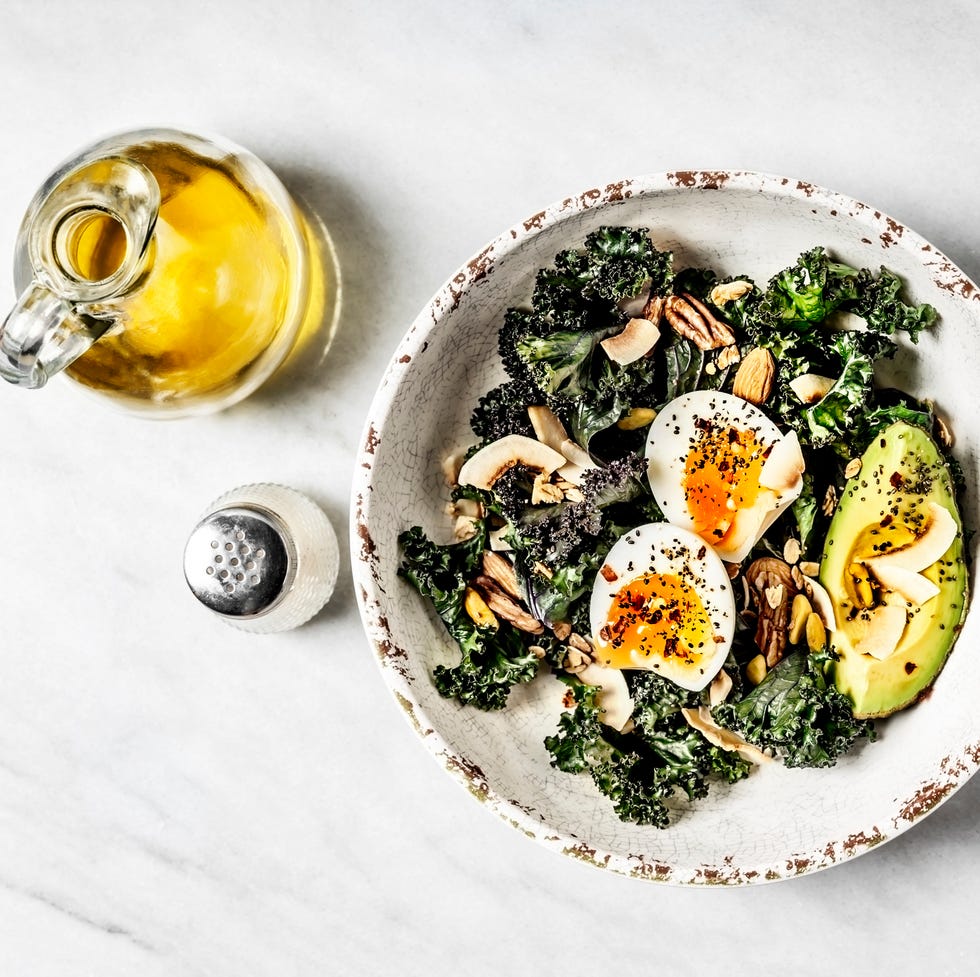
(953, 771)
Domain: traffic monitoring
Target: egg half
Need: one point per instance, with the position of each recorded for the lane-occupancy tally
(662, 601)
(720, 468)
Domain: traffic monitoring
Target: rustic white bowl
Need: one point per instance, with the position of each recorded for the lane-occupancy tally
(779, 823)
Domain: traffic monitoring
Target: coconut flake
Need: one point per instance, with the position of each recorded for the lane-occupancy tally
(638, 337)
(702, 720)
(614, 698)
(882, 631)
(926, 548)
(490, 462)
(783, 469)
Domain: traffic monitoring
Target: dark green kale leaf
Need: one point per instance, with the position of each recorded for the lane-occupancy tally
(683, 366)
(842, 409)
(892, 406)
(879, 304)
(615, 263)
(806, 513)
(560, 363)
(551, 349)
(558, 535)
(492, 661)
(797, 299)
(694, 281)
(502, 411)
(641, 772)
(797, 712)
(622, 260)
(586, 419)
(785, 317)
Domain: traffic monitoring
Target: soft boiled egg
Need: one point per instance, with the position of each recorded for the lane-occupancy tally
(662, 601)
(720, 468)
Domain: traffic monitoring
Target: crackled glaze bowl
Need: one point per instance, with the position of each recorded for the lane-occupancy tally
(778, 823)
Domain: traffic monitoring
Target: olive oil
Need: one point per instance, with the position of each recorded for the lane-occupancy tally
(225, 285)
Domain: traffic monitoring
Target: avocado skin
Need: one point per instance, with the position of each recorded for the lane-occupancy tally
(901, 472)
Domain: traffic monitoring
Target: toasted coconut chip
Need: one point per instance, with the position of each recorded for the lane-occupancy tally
(925, 549)
(701, 720)
(783, 470)
(746, 526)
(636, 340)
(547, 428)
(451, 465)
(811, 387)
(576, 454)
(881, 630)
(491, 461)
(721, 686)
(821, 602)
(572, 473)
(908, 584)
(614, 698)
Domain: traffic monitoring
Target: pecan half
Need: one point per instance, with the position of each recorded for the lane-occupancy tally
(506, 607)
(773, 591)
(654, 309)
(693, 320)
(754, 377)
(499, 569)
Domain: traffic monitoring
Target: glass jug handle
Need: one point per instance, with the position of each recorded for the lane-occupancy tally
(64, 310)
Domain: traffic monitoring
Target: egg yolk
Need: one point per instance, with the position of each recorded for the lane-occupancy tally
(656, 616)
(721, 476)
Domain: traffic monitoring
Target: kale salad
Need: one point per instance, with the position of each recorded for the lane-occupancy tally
(692, 504)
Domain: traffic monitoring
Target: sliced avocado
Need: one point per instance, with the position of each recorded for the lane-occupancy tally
(884, 507)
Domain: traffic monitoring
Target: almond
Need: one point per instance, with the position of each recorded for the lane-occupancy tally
(755, 375)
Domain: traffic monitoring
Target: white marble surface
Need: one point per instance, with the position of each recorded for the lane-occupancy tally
(177, 798)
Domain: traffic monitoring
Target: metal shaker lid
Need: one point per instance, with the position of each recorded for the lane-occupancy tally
(240, 561)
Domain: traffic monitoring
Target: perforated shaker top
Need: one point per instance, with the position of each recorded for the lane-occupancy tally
(239, 561)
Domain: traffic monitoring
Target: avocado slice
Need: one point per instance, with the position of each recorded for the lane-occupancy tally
(885, 506)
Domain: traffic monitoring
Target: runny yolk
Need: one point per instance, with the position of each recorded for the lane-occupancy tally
(658, 616)
(721, 476)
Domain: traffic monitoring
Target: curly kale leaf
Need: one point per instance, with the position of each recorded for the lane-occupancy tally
(551, 349)
(558, 535)
(641, 772)
(561, 363)
(797, 299)
(503, 411)
(492, 661)
(785, 317)
(879, 304)
(614, 264)
(895, 406)
(842, 408)
(797, 712)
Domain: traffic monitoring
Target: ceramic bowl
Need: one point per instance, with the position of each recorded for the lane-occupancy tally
(778, 823)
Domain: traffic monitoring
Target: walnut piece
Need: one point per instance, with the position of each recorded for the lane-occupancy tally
(773, 591)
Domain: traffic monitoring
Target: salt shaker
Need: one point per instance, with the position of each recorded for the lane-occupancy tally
(264, 558)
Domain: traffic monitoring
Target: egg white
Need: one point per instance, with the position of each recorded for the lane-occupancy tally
(660, 548)
(668, 443)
